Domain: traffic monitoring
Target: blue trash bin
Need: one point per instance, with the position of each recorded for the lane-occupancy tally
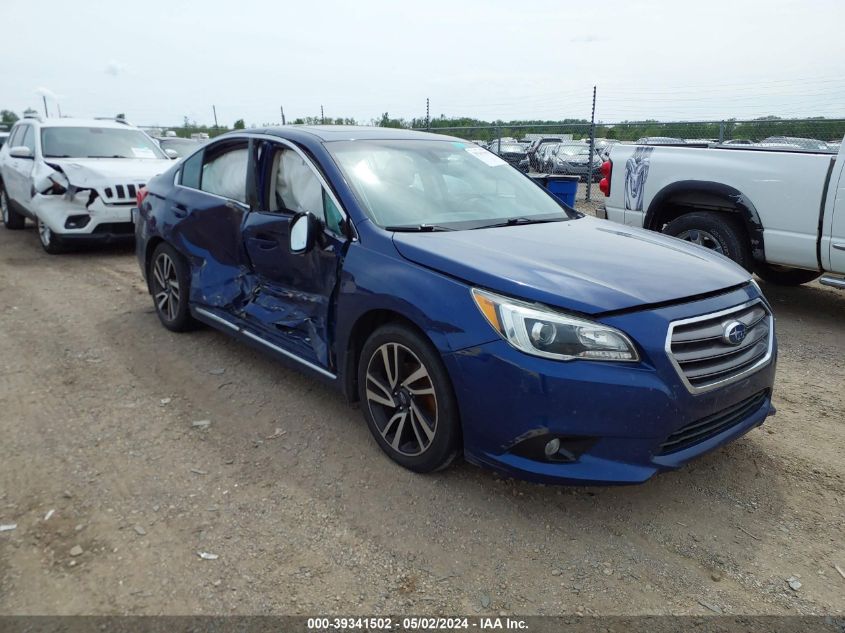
(561, 187)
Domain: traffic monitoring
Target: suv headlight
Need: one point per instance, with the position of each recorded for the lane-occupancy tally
(539, 331)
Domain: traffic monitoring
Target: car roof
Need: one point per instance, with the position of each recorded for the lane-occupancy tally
(351, 133)
(69, 122)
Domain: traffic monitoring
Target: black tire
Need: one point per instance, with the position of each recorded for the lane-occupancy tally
(170, 284)
(50, 242)
(783, 275)
(717, 231)
(399, 411)
(12, 220)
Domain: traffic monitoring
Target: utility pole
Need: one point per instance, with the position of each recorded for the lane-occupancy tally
(282, 109)
(214, 109)
(322, 116)
(59, 108)
(427, 117)
(592, 145)
(45, 106)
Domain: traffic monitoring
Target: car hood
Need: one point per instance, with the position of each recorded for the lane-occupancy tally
(584, 265)
(104, 172)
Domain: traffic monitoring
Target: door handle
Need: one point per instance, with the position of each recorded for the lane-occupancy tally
(265, 242)
(180, 210)
(839, 247)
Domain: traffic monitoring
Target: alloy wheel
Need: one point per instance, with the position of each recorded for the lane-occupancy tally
(402, 400)
(702, 238)
(44, 234)
(166, 290)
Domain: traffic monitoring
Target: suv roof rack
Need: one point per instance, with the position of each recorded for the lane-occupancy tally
(32, 115)
(112, 118)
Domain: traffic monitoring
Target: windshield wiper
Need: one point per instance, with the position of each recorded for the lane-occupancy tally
(519, 220)
(419, 228)
(112, 156)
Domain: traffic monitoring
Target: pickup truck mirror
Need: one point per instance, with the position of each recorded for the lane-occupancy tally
(303, 232)
(20, 151)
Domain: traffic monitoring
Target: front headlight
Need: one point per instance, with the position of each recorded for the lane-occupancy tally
(543, 332)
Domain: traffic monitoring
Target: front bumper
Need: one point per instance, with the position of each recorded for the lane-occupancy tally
(618, 413)
(97, 222)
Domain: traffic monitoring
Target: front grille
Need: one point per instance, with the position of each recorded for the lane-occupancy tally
(705, 359)
(122, 192)
(706, 428)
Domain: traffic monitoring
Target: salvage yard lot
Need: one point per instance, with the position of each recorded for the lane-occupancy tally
(304, 513)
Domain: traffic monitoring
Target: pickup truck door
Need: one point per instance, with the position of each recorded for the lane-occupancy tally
(291, 304)
(836, 191)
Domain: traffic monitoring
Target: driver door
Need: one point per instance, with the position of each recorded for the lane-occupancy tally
(292, 301)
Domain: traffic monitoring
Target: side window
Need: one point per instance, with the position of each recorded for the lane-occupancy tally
(15, 138)
(192, 171)
(29, 139)
(224, 171)
(295, 188)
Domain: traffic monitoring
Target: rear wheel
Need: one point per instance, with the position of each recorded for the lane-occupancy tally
(783, 275)
(715, 231)
(49, 241)
(12, 220)
(169, 285)
(407, 399)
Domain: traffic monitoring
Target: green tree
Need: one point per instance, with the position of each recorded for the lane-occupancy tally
(239, 125)
(121, 115)
(8, 118)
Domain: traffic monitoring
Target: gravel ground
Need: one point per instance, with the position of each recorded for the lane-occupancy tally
(115, 491)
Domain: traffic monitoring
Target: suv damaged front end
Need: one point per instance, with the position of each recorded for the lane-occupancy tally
(78, 203)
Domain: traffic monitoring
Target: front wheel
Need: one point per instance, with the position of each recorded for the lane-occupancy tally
(407, 399)
(718, 232)
(783, 275)
(49, 241)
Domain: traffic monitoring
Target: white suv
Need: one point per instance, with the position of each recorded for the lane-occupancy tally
(76, 178)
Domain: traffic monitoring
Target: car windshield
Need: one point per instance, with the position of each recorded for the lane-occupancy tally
(512, 147)
(574, 150)
(447, 184)
(97, 142)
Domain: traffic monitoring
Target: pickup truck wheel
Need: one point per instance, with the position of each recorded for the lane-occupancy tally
(11, 220)
(718, 232)
(49, 242)
(783, 275)
(169, 285)
(407, 399)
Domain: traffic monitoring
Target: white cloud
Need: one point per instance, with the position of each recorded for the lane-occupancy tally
(115, 68)
(46, 92)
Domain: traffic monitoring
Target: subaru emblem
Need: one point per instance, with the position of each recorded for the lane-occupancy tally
(734, 333)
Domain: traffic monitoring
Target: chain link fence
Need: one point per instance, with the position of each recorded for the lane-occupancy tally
(578, 149)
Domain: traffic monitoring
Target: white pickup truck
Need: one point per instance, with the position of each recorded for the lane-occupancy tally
(777, 211)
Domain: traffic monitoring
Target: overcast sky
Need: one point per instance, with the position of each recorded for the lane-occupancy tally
(158, 61)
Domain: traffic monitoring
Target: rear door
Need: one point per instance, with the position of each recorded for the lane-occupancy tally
(291, 303)
(208, 208)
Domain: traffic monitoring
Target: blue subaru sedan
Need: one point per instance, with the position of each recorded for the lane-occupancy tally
(465, 308)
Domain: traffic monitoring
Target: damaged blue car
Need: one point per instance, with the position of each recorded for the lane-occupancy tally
(465, 308)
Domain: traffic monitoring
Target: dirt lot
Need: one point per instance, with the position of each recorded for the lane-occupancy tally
(288, 490)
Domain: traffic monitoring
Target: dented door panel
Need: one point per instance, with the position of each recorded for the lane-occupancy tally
(292, 295)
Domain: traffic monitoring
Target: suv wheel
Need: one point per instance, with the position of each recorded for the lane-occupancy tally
(169, 285)
(49, 241)
(407, 399)
(11, 219)
(715, 231)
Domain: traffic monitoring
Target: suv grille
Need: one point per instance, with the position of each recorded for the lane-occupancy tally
(705, 428)
(703, 356)
(122, 193)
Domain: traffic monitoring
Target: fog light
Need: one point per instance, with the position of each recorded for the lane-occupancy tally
(552, 447)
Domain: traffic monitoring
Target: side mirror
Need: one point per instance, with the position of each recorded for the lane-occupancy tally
(303, 231)
(20, 151)
(171, 154)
